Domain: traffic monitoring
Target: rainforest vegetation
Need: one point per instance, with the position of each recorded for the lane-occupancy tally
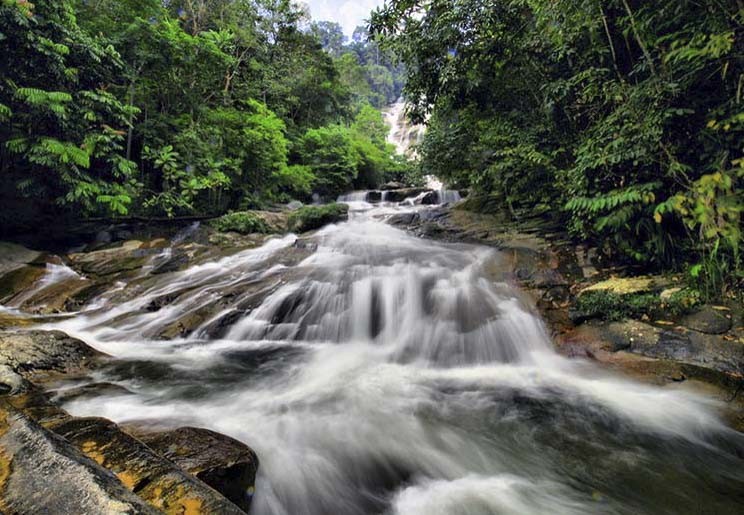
(185, 107)
(623, 118)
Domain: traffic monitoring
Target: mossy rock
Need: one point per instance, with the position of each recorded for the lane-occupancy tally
(310, 218)
(241, 222)
(608, 305)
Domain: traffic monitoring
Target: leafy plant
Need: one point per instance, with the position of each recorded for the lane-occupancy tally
(243, 222)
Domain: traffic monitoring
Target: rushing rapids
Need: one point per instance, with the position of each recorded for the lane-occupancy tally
(375, 372)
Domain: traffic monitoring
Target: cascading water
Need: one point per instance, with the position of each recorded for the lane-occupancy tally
(381, 373)
(403, 134)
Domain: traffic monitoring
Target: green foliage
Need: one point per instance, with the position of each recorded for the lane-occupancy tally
(615, 307)
(243, 222)
(120, 107)
(61, 133)
(329, 153)
(309, 218)
(623, 116)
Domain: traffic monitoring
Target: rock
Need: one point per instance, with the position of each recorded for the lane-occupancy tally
(625, 285)
(295, 205)
(373, 197)
(42, 473)
(103, 238)
(430, 199)
(557, 295)
(11, 320)
(710, 352)
(392, 185)
(223, 463)
(14, 256)
(19, 280)
(220, 327)
(125, 258)
(152, 477)
(310, 218)
(89, 391)
(177, 261)
(399, 195)
(27, 354)
(403, 219)
(708, 320)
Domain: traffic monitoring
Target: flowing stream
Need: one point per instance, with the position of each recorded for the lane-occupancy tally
(382, 373)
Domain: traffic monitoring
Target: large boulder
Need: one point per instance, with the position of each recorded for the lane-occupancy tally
(223, 463)
(42, 473)
(711, 352)
(26, 355)
(13, 256)
(310, 218)
(152, 477)
(130, 255)
(402, 194)
(19, 280)
(709, 320)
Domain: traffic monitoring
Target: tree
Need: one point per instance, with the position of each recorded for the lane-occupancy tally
(61, 131)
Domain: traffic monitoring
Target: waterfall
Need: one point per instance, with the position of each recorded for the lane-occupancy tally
(377, 372)
(403, 134)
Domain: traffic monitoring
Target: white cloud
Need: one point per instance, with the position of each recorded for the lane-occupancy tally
(348, 13)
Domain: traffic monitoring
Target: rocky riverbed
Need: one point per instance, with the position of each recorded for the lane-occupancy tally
(641, 325)
(88, 463)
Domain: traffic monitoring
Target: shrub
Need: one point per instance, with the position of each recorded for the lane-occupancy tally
(242, 222)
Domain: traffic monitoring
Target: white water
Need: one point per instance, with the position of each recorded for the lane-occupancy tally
(403, 134)
(53, 275)
(383, 373)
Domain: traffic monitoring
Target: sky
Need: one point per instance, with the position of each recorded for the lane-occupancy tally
(348, 13)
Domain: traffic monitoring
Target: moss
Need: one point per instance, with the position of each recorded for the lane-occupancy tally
(243, 222)
(607, 305)
(314, 217)
(624, 285)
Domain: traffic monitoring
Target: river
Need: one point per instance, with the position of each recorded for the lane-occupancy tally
(383, 373)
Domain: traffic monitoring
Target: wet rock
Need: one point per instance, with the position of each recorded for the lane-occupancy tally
(13, 256)
(308, 244)
(225, 464)
(399, 195)
(125, 258)
(430, 199)
(404, 219)
(42, 473)
(220, 327)
(89, 391)
(557, 295)
(28, 354)
(373, 197)
(18, 280)
(144, 472)
(54, 298)
(177, 261)
(11, 320)
(711, 352)
(708, 320)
